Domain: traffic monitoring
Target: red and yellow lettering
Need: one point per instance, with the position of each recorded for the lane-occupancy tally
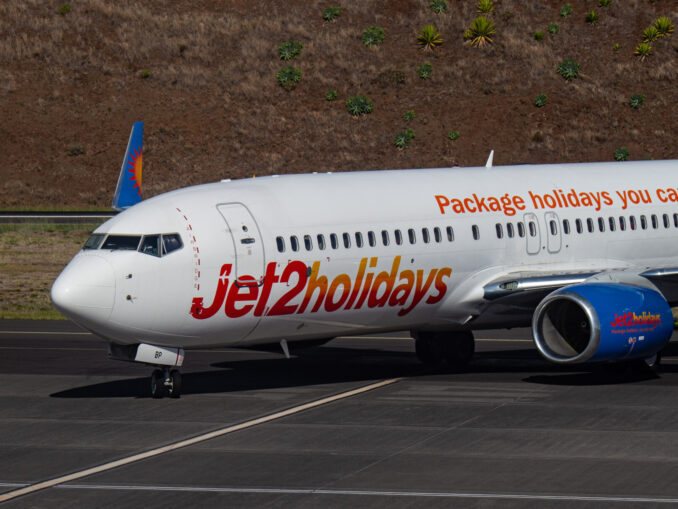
(198, 310)
(314, 283)
(402, 292)
(345, 282)
(281, 307)
(383, 278)
(440, 286)
(420, 290)
(237, 293)
(269, 279)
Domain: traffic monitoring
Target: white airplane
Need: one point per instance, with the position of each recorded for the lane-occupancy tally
(585, 253)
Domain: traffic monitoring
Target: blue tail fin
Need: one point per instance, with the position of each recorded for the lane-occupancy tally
(128, 191)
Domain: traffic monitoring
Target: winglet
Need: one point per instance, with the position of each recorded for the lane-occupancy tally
(488, 164)
(128, 190)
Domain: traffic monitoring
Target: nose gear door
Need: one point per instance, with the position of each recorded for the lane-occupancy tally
(249, 248)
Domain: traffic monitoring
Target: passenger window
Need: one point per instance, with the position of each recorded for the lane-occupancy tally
(398, 237)
(475, 231)
(171, 242)
(308, 243)
(554, 227)
(149, 245)
(533, 229)
(566, 226)
(425, 235)
(371, 239)
(437, 235)
(321, 241)
(412, 236)
(601, 224)
(450, 234)
(632, 222)
(334, 241)
(509, 230)
(94, 241)
(294, 243)
(358, 239)
(500, 230)
(280, 242)
(347, 240)
(643, 222)
(622, 223)
(675, 220)
(667, 223)
(521, 229)
(655, 223)
(122, 242)
(384, 238)
(578, 225)
(589, 225)
(612, 223)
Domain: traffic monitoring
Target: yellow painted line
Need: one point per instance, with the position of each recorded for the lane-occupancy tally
(191, 441)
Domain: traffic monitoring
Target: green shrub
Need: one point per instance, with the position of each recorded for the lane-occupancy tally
(480, 32)
(592, 17)
(358, 105)
(539, 35)
(566, 10)
(438, 6)
(621, 154)
(289, 50)
(553, 28)
(636, 101)
(540, 100)
(604, 3)
(429, 37)
(145, 74)
(569, 69)
(643, 50)
(650, 34)
(373, 36)
(409, 116)
(664, 26)
(403, 138)
(331, 13)
(64, 9)
(331, 95)
(453, 135)
(616, 47)
(75, 150)
(425, 70)
(485, 6)
(288, 77)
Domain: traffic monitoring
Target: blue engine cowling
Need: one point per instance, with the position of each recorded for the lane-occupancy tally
(599, 322)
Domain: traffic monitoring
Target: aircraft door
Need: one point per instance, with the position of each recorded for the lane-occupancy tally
(249, 248)
(553, 234)
(532, 233)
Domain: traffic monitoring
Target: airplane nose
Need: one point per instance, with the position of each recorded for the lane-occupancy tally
(85, 290)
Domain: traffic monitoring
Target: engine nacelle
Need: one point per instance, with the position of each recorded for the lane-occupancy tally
(598, 322)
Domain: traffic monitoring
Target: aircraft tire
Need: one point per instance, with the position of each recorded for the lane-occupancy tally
(429, 351)
(175, 389)
(157, 384)
(459, 350)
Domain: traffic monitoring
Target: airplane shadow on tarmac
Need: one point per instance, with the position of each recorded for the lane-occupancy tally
(329, 365)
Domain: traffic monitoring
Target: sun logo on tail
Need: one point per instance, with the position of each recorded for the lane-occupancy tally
(136, 163)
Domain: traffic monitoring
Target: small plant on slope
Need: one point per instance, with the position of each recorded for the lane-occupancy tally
(288, 77)
(453, 135)
(289, 50)
(540, 100)
(604, 3)
(331, 13)
(409, 116)
(359, 105)
(569, 69)
(650, 34)
(636, 101)
(438, 6)
(592, 17)
(425, 70)
(331, 95)
(643, 50)
(539, 35)
(566, 10)
(553, 28)
(621, 154)
(403, 138)
(480, 32)
(429, 37)
(485, 6)
(373, 36)
(664, 26)
(64, 9)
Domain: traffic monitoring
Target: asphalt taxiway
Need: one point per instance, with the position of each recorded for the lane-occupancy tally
(354, 422)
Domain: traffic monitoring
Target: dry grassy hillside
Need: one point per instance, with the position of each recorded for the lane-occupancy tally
(213, 109)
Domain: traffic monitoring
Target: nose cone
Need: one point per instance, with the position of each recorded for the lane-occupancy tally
(85, 290)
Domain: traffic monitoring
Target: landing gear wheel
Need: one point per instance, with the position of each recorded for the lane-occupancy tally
(174, 388)
(459, 350)
(157, 384)
(429, 351)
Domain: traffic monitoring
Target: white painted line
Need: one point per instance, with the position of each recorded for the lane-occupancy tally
(191, 441)
(377, 493)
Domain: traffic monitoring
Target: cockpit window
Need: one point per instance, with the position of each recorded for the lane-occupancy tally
(171, 242)
(94, 241)
(122, 242)
(150, 245)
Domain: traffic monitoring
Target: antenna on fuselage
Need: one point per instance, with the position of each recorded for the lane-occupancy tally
(488, 164)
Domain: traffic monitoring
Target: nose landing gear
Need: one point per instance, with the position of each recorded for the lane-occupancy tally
(166, 382)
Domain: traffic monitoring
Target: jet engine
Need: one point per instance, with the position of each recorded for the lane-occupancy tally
(599, 322)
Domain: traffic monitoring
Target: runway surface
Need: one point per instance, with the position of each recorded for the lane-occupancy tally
(375, 430)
